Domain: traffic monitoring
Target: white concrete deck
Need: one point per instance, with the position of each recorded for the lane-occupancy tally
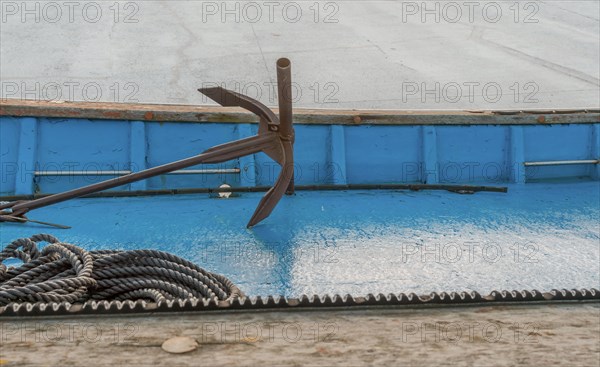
(345, 54)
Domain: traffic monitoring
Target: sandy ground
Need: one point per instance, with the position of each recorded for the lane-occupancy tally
(540, 335)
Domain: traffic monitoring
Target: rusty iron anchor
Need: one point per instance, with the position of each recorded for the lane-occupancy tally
(275, 138)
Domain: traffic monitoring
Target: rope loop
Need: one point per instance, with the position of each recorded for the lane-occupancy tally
(63, 272)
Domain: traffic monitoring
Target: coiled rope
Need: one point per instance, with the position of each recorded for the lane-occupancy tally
(62, 272)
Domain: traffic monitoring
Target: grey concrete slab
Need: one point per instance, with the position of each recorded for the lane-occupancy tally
(346, 54)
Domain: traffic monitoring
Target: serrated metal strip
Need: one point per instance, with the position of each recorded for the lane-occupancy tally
(282, 303)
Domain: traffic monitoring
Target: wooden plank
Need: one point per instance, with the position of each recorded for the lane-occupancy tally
(138, 153)
(517, 155)
(216, 114)
(26, 157)
(337, 163)
(430, 163)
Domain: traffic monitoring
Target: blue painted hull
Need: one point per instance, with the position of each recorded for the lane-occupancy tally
(325, 154)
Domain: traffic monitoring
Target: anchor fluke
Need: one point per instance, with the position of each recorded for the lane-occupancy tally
(279, 129)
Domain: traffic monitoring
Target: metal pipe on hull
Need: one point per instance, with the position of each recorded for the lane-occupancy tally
(218, 154)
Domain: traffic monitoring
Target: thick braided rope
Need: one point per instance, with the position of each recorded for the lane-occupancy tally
(62, 272)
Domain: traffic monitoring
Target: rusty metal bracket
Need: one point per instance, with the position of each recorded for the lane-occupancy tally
(275, 138)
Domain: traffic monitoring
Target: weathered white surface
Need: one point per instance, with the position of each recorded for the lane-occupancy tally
(564, 335)
(362, 54)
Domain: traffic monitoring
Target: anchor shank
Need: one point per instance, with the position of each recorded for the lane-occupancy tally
(286, 129)
(217, 154)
